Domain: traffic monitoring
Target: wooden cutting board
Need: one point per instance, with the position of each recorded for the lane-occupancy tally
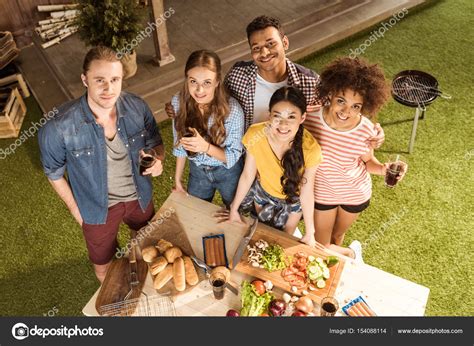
(117, 283)
(291, 245)
(166, 225)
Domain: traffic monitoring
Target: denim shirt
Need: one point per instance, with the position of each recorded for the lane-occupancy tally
(72, 141)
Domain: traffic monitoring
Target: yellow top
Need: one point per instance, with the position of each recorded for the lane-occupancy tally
(269, 166)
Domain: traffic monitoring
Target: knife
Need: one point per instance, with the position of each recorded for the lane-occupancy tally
(243, 244)
(201, 264)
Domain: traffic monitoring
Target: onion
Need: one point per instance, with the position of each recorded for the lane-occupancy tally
(277, 307)
(305, 304)
(232, 313)
(298, 313)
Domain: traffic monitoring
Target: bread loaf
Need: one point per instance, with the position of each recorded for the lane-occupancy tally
(149, 253)
(158, 265)
(172, 253)
(163, 245)
(178, 274)
(190, 272)
(163, 277)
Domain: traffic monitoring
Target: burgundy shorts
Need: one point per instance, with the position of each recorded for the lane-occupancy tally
(101, 240)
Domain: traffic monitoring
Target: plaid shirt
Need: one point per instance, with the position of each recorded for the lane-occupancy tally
(241, 81)
(232, 145)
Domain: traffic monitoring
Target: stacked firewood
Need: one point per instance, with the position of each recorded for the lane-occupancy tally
(8, 49)
(59, 25)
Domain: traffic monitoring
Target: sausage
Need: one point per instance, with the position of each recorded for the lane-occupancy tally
(178, 274)
(364, 308)
(220, 251)
(357, 310)
(210, 254)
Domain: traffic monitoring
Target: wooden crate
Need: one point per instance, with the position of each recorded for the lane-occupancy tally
(15, 81)
(12, 115)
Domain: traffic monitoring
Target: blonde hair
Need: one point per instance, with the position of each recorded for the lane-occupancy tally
(99, 53)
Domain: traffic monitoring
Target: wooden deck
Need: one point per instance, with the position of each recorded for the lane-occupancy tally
(54, 74)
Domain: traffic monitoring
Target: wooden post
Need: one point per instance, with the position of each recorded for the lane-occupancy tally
(160, 35)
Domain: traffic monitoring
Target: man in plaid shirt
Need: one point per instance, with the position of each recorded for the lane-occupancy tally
(253, 83)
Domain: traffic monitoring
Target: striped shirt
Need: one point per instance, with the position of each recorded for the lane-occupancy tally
(234, 129)
(342, 177)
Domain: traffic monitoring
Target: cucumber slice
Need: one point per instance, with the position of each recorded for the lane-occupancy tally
(321, 283)
(326, 273)
(319, 260)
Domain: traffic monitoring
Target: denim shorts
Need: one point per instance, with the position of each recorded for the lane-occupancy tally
(274, 212)
(205, 180)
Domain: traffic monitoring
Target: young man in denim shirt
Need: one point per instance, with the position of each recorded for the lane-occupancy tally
(96, 140)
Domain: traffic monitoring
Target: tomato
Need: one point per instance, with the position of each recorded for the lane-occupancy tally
(259, 286)
(264, 315)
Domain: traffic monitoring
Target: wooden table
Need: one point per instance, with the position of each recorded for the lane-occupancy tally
(387, 294)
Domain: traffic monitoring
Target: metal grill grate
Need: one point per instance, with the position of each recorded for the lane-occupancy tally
(414, 90)
(144, 306)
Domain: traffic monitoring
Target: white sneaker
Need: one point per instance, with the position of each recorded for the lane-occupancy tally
(297, 233)
(356, 246)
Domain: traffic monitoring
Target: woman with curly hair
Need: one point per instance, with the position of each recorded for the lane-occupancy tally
(207, 130)
(352, 90)
(280, 166)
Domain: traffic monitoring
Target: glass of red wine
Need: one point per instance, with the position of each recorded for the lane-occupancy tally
(147, 158)
(329, 307)
(396, 163)
(218, 281)
(189, 133)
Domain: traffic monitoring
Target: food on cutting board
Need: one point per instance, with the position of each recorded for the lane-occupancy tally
(163, 277)
(214, 249)
(268, 256)
(149, 253)
(172, 253)
(163, 245)
(296, 274)
(179, 275)
(191, 275)
(173, 264)
(158, 265)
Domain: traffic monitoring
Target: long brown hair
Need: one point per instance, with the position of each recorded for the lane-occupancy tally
(189, 114)
(293, 159)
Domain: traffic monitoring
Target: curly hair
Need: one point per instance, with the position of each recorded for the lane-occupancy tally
(263, 22)
(358, 75)
(189, 114)
(293, 159)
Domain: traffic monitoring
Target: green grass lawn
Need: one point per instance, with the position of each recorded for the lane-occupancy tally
(421, 230)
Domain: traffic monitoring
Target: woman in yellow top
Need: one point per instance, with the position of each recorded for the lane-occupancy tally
(280, 166)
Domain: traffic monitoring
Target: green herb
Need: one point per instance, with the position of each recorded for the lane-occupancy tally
(274, 258)
(252, 303)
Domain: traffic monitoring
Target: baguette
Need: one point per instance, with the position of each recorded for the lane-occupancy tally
(149, 253)
(172, 253)
(178, 274)
(163, 277)
(163, 245)
(190, 272)
(158, 265)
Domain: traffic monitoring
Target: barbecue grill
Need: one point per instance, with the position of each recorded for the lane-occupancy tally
(415, 89)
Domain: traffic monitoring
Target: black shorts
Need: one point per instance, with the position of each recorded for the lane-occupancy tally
(349, 208)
